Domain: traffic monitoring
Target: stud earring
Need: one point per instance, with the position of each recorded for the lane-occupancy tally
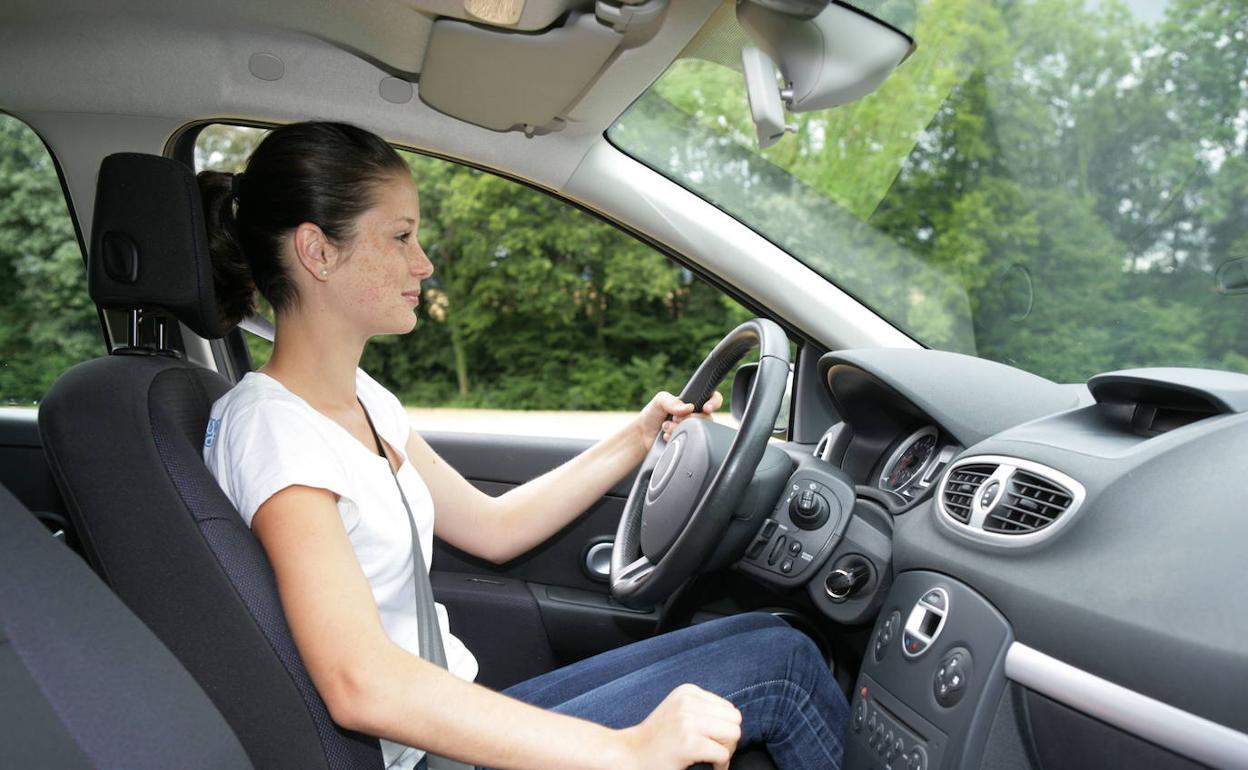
(324, 272)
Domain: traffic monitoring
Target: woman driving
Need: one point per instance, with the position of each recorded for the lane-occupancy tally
(310, 449)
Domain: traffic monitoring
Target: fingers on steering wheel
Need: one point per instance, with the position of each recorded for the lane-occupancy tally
(714, 402)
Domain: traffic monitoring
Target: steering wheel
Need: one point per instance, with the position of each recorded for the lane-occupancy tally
(689, 487)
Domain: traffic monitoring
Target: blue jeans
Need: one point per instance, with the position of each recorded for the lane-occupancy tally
(773, 674)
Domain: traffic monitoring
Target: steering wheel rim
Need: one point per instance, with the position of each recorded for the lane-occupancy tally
(637, 579)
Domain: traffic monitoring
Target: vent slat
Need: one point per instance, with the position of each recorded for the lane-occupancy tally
(1025, 512)
(1032, 504)
(960, 489)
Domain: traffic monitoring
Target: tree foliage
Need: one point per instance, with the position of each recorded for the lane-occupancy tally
(47, 321)
(1048, 183)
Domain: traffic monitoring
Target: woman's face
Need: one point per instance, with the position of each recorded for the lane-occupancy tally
(377, 284)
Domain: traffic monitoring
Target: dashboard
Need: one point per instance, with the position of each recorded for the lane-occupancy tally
(1049, 570)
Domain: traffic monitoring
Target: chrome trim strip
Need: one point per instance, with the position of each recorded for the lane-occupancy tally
(1007, 466)
(1169, 727)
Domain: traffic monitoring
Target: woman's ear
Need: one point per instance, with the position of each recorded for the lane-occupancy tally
(314, 252)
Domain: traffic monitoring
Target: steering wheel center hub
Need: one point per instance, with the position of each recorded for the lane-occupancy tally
(666, 468)
(675, 486)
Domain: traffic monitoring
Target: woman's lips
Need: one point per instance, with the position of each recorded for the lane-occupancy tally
(412, 297)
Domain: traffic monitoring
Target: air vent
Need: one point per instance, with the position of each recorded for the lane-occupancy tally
(1005, 500)
(824, 448)
(828, 441)
(1030, 503)
(958, 493)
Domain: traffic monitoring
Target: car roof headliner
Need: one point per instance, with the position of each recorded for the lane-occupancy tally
(179, 63)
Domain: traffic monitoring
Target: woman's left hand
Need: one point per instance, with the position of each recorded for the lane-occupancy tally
(665, 412)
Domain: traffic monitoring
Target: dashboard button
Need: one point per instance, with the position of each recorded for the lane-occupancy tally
(950, 682)
(795, 548)
(769, 529)
(786, 566)
(916, 760)
(776, 550)
(860, 716)
(935, 599)
(755, 549)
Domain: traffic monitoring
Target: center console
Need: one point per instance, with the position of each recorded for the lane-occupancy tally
(931, 680)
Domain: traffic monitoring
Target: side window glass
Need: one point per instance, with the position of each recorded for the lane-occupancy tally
(536, 309)
(47, 321)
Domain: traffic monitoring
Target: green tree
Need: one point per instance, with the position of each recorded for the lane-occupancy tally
(47, 321)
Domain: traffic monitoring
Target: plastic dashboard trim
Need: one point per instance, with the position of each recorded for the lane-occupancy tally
(1165, 725)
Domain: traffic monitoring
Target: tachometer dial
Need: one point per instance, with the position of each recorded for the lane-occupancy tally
(908, 461)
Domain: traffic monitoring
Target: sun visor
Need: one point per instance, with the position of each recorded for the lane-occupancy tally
(507, 80)
(525, 15)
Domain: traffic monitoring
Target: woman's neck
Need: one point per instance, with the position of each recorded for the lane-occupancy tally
(317, 364)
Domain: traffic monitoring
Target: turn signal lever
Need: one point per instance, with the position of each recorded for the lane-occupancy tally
(847, 579)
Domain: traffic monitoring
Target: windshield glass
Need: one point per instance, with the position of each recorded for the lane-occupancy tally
(1060, 185)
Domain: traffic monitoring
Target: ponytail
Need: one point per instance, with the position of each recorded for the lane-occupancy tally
(231, 272)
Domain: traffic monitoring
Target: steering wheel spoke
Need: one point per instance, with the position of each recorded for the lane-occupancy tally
(633, 574)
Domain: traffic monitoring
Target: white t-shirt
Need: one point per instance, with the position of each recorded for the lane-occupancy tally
(261, 438)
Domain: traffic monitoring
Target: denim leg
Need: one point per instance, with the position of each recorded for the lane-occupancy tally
(564, 684)
(788, 698)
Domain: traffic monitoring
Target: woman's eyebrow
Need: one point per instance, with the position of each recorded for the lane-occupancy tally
(408, 220)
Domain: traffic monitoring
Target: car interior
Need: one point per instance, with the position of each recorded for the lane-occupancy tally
(1002, 571)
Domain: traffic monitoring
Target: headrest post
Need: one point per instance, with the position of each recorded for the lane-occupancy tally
(160, 333)
(134, 327)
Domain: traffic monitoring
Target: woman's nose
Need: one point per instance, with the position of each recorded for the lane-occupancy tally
(421, 266)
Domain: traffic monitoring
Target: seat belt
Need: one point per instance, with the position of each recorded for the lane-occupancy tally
(428, 633)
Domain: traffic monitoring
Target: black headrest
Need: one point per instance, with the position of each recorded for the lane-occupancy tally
(149, 246)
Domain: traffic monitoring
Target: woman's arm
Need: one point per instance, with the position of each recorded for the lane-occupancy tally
(502, 528)
(374, 686)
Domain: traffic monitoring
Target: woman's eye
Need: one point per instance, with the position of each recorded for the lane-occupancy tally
(403, 237)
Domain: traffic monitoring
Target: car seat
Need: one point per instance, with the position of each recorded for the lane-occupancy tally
(123, 435)
(83, 684)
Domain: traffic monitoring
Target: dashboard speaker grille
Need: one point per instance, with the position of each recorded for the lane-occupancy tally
(960, 489)
(1030, 503)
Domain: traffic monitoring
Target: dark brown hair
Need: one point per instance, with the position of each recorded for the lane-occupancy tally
(323, 173)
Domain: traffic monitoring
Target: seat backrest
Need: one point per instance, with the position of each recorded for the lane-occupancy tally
(124, 436)
(83, 684)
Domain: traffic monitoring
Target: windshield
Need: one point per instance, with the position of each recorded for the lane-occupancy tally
(1058, 185)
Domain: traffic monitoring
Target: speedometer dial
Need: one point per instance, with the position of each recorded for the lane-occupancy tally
(908, 461)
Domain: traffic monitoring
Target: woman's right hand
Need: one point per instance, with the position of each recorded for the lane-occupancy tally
(690, 726)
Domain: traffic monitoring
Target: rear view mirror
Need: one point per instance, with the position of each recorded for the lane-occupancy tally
(827, 55)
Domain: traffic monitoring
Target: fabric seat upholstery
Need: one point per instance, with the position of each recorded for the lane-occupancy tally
(83, 684)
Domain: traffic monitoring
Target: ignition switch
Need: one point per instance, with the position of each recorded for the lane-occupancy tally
(848, 576)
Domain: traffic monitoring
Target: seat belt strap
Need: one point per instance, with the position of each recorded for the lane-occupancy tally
(429, 635)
